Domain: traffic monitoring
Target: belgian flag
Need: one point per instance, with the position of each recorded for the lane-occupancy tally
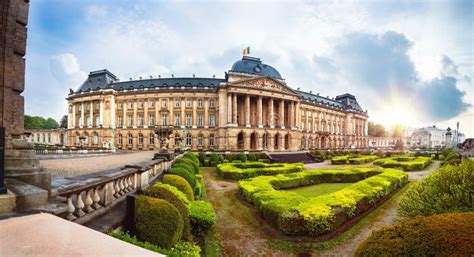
(246, 51)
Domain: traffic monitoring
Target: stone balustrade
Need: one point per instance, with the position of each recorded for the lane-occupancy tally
(91, 195)
(75, 151)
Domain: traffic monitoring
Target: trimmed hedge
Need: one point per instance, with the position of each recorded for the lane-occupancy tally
(253, 169)
(203, 217)
(194, 168)
(177, 250)
(405, 163)
(181, 184)
(437, 235)
(242, 157)
(295, 214)
(175, 197)
(252, 157)
(190, 177)
(354, 159)
(450, 189)
(157, 221)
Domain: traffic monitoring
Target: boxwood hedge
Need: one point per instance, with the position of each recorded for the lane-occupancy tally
(347, 159)
(294, 214)
(203, 217)
(405, 163)
(181, 184)
(252, 169)
(437, 235)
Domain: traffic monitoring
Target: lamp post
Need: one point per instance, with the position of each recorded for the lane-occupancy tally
(3, 189)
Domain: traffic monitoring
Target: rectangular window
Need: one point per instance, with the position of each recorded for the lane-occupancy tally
(120, 121)
(164, 103)
(97, 106)
(130, 120)
(97, 121)
(140, 104)
(200, 120)
(212, 120)
(177, 119)
(177, 103)
(151, 104)
(199, 140)
(151, 119)
(152, 139)
(200, 103)
(189, 103)
(164, 119)
(120, 139)
(119, 105)
(211, 103)
(89, 121)
(188, 119)
(130, 105)
(211, 139)
(140, 120)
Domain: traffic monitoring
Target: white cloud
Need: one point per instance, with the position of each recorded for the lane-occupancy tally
(66, 69)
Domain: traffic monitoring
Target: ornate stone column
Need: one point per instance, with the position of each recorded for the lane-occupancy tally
(73, 118)
(291, 113)
(229, 108)
(259, 113)
(145, 116)
(234, 109)
(124, 115)
(135, 118)
(282, 114)
(183, 112)
(157, 115)
(298, 115)
(270, 113)
(194, 113)
(81, 124)
(247, 111)
(206, 115)
(101, 112)
(91, 114)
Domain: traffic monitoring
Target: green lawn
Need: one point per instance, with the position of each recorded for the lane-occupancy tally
(319, 189)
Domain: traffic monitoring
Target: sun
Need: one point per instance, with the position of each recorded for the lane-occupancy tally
(396, 111)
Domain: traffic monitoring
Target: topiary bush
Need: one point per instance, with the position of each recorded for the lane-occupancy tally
(320, 153)
(228, 157)
(450, 189)
(181, 184)
(252, 157)
(157, 221)
(242, 157)
(203, 217)
(242, 170)
(202, 157)
(191, 178)
(175, 197)
(214, 159)
(437, 235)
(192, 157)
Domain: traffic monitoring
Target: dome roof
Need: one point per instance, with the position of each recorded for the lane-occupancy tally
(253, 65)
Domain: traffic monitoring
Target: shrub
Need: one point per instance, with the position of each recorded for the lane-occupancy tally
(175, 197)
(181, 184)
(295, 214)
(450, 189)
(206, 163)
(242, 157)
(192, 157)
(252, 157)
(214, 159)
(240, 170)
(179, 249)
(228, 157)
(320, 153)
(184, 165)
(202, 157)
(157, 221)
(203, 217)
(191, 178)
(437, 235)
(340, 159)
(263, 156)
(405, 163)
(264, 160)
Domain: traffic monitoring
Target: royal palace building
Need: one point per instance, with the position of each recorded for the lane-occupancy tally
(252, 108)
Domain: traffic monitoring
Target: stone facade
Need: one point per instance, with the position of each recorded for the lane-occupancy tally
(47, 136)
(383, 142)
(245, 111)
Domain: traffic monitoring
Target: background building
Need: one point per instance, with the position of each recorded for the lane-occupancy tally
(47, 136)
(432, 137)
(252, 108)
(383, 142)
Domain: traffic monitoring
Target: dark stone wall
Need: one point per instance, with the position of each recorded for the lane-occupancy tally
(13, 22)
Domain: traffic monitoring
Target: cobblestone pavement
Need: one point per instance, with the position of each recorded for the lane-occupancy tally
(78, 166)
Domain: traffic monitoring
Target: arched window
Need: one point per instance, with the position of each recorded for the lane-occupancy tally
(199, 140)
(189, 140)
(130, 139)
(49, 137)
(140, 139)
(96, 139)
(152, 139)
(44, 138)
(120, 139)
(86, 140)
(211, 139)
(78, 139)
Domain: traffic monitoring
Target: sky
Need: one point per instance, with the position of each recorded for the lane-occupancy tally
(408, 62)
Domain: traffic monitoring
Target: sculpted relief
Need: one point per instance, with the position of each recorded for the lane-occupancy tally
(265, 84)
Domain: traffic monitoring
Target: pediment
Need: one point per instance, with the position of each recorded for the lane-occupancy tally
(265, 83)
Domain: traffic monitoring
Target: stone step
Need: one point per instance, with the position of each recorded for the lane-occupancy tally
(27, 196)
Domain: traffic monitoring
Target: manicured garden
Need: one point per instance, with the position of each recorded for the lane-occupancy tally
(295, 214)
(406, 163)
(252, 169)
(319, 189)
(353, 159)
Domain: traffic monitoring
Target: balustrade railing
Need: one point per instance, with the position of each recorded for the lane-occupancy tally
(71, 151)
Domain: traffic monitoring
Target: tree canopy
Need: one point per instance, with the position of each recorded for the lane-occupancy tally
(376, 130)
(37, 122)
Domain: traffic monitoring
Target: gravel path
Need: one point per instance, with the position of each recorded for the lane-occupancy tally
(78, 166)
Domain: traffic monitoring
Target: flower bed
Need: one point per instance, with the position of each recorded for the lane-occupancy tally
(294, 214)
(405, 163)
(253, 169)
(347, 159)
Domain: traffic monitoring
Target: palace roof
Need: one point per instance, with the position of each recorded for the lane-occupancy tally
(253, 65)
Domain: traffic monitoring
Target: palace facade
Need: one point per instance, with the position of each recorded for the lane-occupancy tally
(252, 108)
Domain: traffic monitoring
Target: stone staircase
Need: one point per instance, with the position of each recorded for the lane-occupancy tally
(293, 157)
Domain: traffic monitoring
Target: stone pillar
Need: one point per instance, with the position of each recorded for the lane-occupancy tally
(194, 115)
(206, 115)
(229, 108)
(73, 118)
(259, 113)
(271, 114)
(124, 115)
(183, 112)
(101, 112)
(157, 115)
(81, 124)
(170, 109)
(298, 115)
(145, 116)
(291, 112)
(135, 117)
(247, 111)
(282, 114)
(91, 114)
(234, 110)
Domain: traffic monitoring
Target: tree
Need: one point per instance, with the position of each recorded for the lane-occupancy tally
(63, 122)
(51, 123)
(397, 131)
(37, 122)
(376, 130)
